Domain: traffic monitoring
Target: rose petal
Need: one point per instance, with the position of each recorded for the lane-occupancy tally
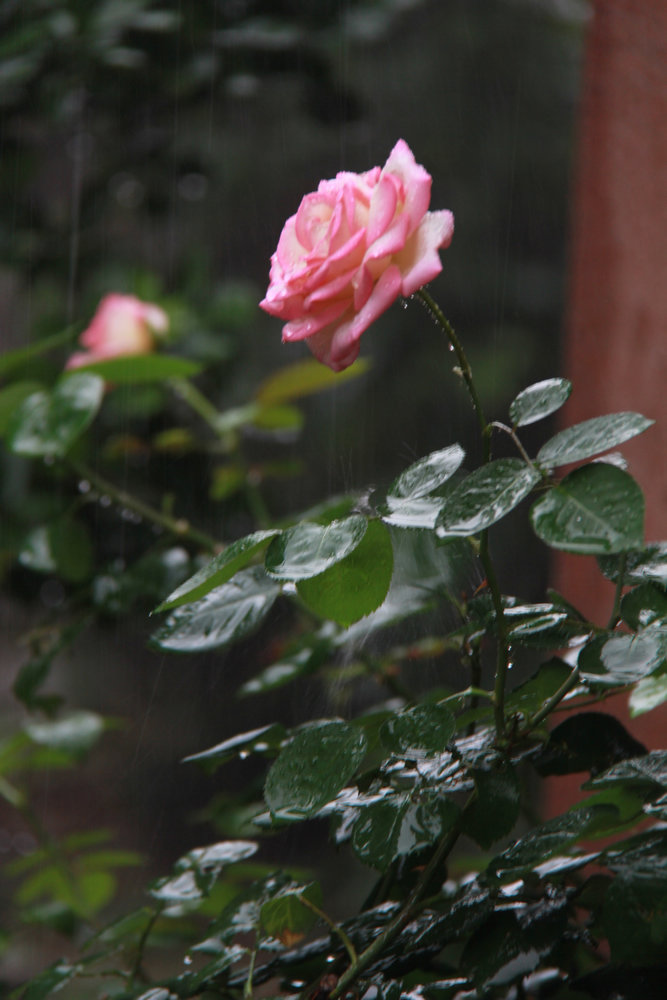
(383, 206)
(306, 326)
(346, 334)
(415, 179)
(419, 262)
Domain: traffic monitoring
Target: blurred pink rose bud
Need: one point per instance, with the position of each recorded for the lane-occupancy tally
(353, 247)
(122, 325)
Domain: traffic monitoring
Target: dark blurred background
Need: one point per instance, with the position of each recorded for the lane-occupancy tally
(157, 148)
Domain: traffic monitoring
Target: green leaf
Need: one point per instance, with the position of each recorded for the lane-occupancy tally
(223, 616)
(539, 401)
(649, 563)
(636, 772)
(413, 512)
(418, 732)
(11, 397)
(278, 418)
(313, 768)
(644, 605)
(624, 658)
(530, 696)
(649, 693)
(485, 496)
(398, 826)
(634, 916)
(255, 741)
(22, 355)
(595, 510)
(51, 980)
(302, 658)
(62, 547)
(47, 424)
(591, 438)
(75, 733)
(309, 549)
(135, 368)
(586, 741)
(286, 917)
(495, 809)
(220, 569)
(303, 378)
(542, 842)
(358, 584)
(427, 474)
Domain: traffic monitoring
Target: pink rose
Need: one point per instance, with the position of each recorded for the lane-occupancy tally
(122, 325)
(353, 247)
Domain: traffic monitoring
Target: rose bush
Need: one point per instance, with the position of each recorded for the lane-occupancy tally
(352, 248)
(123, 324)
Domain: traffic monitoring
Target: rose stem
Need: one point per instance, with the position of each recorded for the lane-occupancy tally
(502, 658)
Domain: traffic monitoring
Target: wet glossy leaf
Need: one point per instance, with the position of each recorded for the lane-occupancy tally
(220, 569)
(303, 378)
(47, 424)
(649, 771)
(624, 658)
(597, 509)
(645, 604)
(591, 437)
(355, 586)
(63, 547)
(427, 474)
(11, 397)
(539, 401)
(418, 732)
(75, 733)
(587, 741)
(649, 693)
(485, 496)
(260, 740)
(400, 826)
(313, 768)
(530, 696)
(542, 842)
(51, 980)
(649, 563)
(225, 615)
(307, 550)
(495, 809)
(286, 918)
(412, 512)
(499, 953)
(301, 659)
(141, 368)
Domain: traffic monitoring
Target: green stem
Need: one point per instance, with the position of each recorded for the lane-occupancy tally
(553, 701)
(616, 609)
(136, 972)
(502, 659)
(179, 527)
(333, 927)
(247, 986)
(464, 366)
(405, 914)
(197, 401)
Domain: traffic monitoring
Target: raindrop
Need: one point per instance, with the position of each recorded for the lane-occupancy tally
(187, 960)
(404, 303)
(104, 500)
(331, 958)
(244, 754)
(84, 486)
(451, 347)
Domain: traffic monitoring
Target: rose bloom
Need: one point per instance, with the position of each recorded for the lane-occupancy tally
(122, 325)
(353, 247)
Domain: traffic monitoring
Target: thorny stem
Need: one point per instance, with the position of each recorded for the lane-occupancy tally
(409, 909)
(502, 658)
(179, 527)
